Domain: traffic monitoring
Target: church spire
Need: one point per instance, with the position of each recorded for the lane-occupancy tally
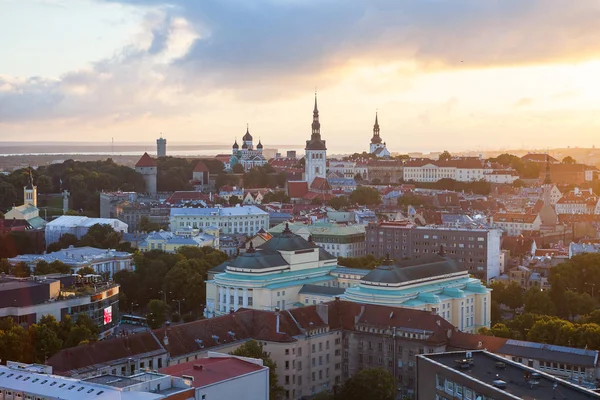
(316, 125)
(547, 179)
(376, 139)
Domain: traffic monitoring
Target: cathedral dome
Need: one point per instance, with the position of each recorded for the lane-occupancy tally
(247, 137)
(259, 145)
(235, 145)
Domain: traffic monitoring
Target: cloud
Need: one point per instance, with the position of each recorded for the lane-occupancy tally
(272, 49)
(524, 102)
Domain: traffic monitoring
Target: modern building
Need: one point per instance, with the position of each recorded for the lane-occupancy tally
(161, 147)
(477, 249)
(103, 261)
(36, 382)
(483, 375)
(239, 219)
(337, 240)
(26, 301)
(147, 167)
(463, 169)
(377, 146)
(222, 376)
(348, 169)
(248, 157)
(109, 201)
(429, 283)
(78, 226)
(315, 151)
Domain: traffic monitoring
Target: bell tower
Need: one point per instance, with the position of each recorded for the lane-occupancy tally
(30, 190)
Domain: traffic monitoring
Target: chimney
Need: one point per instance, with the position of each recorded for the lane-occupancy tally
(166, 339)
(277, 320)
(323, 312)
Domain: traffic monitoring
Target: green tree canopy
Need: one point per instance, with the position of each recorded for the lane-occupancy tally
(372, 384)
(445, 156)
(277, 196)
(254, 349)
(365, 195)
(157, 313)
(569, 160)
(21, 270)
(338, 202)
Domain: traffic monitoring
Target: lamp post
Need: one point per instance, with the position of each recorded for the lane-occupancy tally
(592, 285)
(179, 305)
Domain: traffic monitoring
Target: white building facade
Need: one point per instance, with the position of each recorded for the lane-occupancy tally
(315, 152)
(78, 226)
(239, 219)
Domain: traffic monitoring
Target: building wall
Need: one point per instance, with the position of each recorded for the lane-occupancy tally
(248, 224)
(254, 386)
(438, 382)
(316, 165)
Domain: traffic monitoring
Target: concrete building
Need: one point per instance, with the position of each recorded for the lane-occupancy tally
(240, 219)
(101, 260)
(348, 169)
(26, 301)
(78, 226)
(110, 200)
(315, 151)
(582, 248)
(337, 240)
(36, 382)
(385, 171)
(478, 249)
(483, 375)
(148, 168)
(463, 169)
(161, 147)
(222, 376)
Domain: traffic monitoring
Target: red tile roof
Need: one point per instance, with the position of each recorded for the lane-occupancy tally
(538, 157)
(208, 371)
(186, 196)
(467, 341)
(297, 189)
(146, 161)
(200, 167)
(104, 351)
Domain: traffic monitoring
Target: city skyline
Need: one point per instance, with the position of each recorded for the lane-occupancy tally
(450, 75)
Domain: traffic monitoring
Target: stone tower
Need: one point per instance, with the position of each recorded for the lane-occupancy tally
(161, 147)
(149, 170)
(315, 151)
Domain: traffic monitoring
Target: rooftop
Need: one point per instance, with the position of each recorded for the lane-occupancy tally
(484, 370)
(218, 211)
(73, 255)
(207, 371)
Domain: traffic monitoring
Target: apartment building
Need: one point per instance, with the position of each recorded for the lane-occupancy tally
(514, 223)
(240, 219)
(478, 249)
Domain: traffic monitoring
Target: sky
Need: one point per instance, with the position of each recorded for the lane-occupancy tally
(442, 74)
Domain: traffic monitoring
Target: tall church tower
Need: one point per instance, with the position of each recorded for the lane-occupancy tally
(30, 191)
(376, 139)
(315, 151)
(161, 147)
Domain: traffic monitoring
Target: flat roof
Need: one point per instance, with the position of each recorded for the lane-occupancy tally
(207, 371)
(484, 370)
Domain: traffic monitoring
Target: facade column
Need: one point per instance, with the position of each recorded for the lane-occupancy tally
(227, 298)
(219, 301)
(245, 297)
(235, 299)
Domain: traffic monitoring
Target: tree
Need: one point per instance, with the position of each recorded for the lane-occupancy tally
(500, 330)
(358, 177)
(44, 184)
(410, 200)
(538, 302)
(4, 266)
(366, 262)
(45, 342)
(238, 169)
(445, 156)
(42, 268)
(338, 202)
(254, 349)
(21, 270)
(8, 195)
(278, 196)
(519, 183)
(569, 160)
(87, 270)
(101, 236)
(234, 200)
(157, 313)
(146, 226)
(372, 384)
(365, 195)
(59, 267)
(558, 295)
(513, 296)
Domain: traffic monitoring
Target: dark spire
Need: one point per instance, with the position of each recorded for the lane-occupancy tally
(316, 125)
(376, 139)
(287, 228)
(547, 179)
(29, 179)
(235, 144)
(376, 126)
(259, 145)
